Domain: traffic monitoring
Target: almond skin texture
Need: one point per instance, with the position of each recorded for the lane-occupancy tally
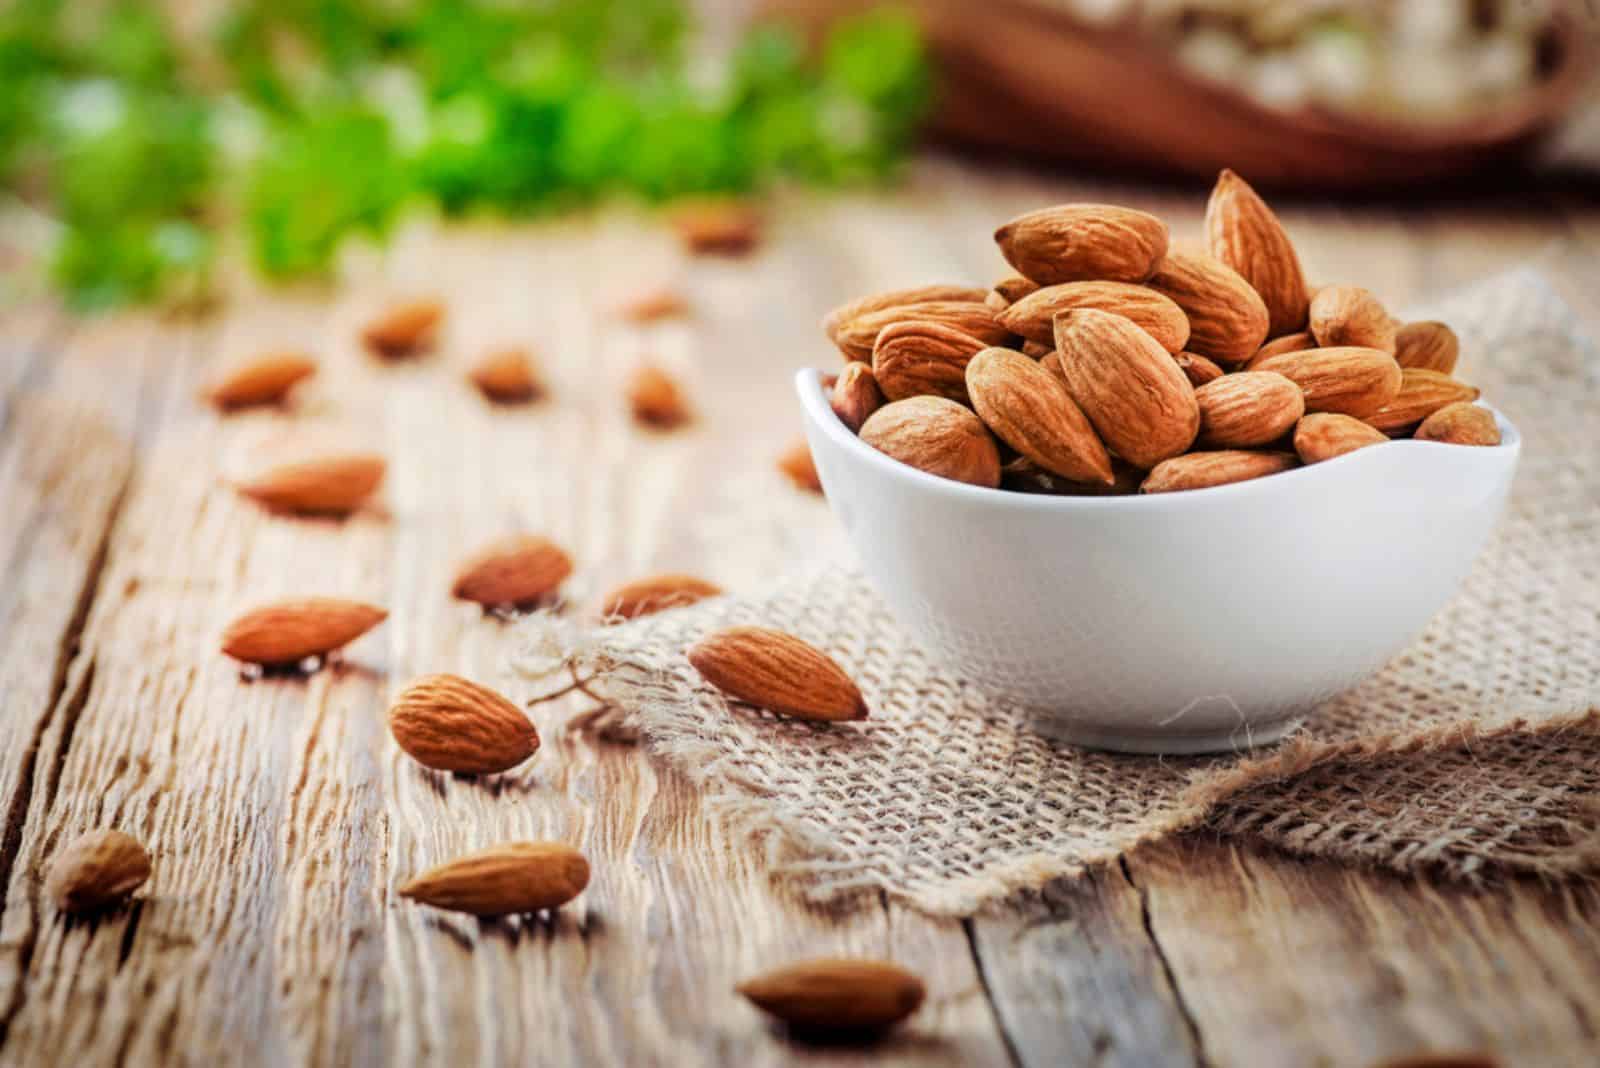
(287, 632)
(1227, 319)
(1296, 342)
(507, 376)
(330, 485)
(267, 379)
(405, 328)
(520, 569)
(655, 399)
(936, 435)
(915, 358)
(839, 996)
(1428, 346)
(1351, 381)
(1461, 423)
(1083, 242)
(797, 466)
(1029, 408)
(1202, 470)
(1248, 409)
(504, 880)
(859, 337)
(1243, 233)
(449, 723)
(658, 593)
(717, 226)
(1324, 435)
(855, 395)
(1137, 398)
(1350, 315)
(1014, 287)
(1198, 369)
(835, 323)
(777, 671)
(1421, 394)
(98, 869)
(1034, 316)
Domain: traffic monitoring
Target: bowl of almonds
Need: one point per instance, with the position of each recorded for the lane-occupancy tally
(1164, 500)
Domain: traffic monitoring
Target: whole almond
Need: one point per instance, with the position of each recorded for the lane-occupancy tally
(855, 395)
(915, 358)
(449, 723)
(504, 879)
(328, 485)
(1353, 381)
(652, 305)
(1245, 410)
(267, 379)
(1034, 315)
(936, 435)
(718, 226)
(834, 324)
(97, 869)
(1350, 315)
(1227, 319)
(858, 337)
(1324, 435)
(1199, 369)
(797, 466)
(1421, 394)
(507, 376)
(287, 632)
(1013, 288)
(1296, 342)
(404, 328)
(519, 569)
(655, 398)
(1461, 423)
(777, 671)
(1427, 345)
(837, 995)
(1083, 242)
(1029, 408)
(1202, 470)
(1243, 233)
(1137, 398)
(657, 593)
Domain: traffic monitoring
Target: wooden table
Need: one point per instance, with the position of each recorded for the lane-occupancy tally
(282, 818)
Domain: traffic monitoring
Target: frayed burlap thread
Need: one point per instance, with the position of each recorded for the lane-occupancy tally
(1475, 752)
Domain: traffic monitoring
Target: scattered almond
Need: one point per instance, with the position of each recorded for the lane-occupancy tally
(838, 996)
(1227, 319)
(936, 435)
(287, 632)
(1353, 381)
(1324, 435)
(1421, 394)
(1243, 233)
(1202, 470)
(1296, 342)
(1139, 401)
(267, 379)
(777, 671)
(1083, 242)
(1198, 369)
(717, 226)
(448, 723)
(405, 328)
(855, 395)
(520, 569)
(1428, 346)
(914, 358)
(652, 305)
(504, 880)
(655, 398)
(1350, 315)
(1460, 423)
(797, 466)
(98, 869)
(1029, 408)
(329, 485)
(507, 376)
(658, 593)
(858, 337)
(1245, 410)
(1034, 315)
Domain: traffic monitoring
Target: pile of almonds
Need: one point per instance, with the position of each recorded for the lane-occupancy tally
(1112, 363)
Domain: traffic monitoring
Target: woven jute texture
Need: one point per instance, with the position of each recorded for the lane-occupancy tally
(1475, 752)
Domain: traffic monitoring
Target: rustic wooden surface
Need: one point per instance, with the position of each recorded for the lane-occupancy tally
(282, 818)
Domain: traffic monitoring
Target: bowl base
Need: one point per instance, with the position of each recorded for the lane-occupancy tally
(1167, 742)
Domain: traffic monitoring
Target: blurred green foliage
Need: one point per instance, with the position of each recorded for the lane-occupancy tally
(308, 120)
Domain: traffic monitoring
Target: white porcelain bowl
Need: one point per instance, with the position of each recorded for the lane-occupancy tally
(1174, 623)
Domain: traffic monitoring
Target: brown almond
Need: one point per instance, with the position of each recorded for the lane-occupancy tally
(858, 338)
(1461, 423)
(1243, 233)
(836, 995)
(855, 395)
(717, 226)
(1037, 350)
(1324, 435)
(1029, 408)
(1296, 342)
(507, 376)
(1350, 380)
(777, 671)
(915, 358)
(1421, 394)
(1198, 369)
(653, 305)
(835, 322)
(1227, 319)
(519, 569)
(1202, 470)
(1428, 346)
(1249, 409)
(328, 485)
(657, 593)
(1350, 315)
(404, 328)
(1033, 316)
(97, 869)
(655, 398)
(1014, 287)
(449, 723)
(1137, 398)
(1083, 242)
(936, 435)
(797, 466)
(504, 879)
(267, 379)
(289, 631)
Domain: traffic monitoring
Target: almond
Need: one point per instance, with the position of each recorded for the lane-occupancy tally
(504, 879)
(266, 379)
(1350, 315)
(1029, 408)
(652, 305)
(1427, 345)
(1324, 435)
(835, 995)
(1461, 423)
(287, 632)
(1014, 287)
(404, 328)
(507, 376)
(1202, 470)
(1083, 242)
(1139, 401)
(777, 671)
(717, 226)
(1034, 315)
(858, 338)
(448, 723)
(520, 569)
(936, 435)
(1421, 394)
(1036, 350)
(1248, 409)
(655, 398)
(330, 485)
(1227, 319)
(836, 322)
(855, 395)
(658, 593)
(1198, 369)
(99, 868)
(1353, 381)
(1296, 342)
(1243, 233)
(797, 466)
(917, 358)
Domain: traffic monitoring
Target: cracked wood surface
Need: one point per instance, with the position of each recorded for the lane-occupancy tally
(281, 817)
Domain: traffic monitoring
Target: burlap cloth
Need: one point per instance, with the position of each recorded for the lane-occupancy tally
(1476, 751)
